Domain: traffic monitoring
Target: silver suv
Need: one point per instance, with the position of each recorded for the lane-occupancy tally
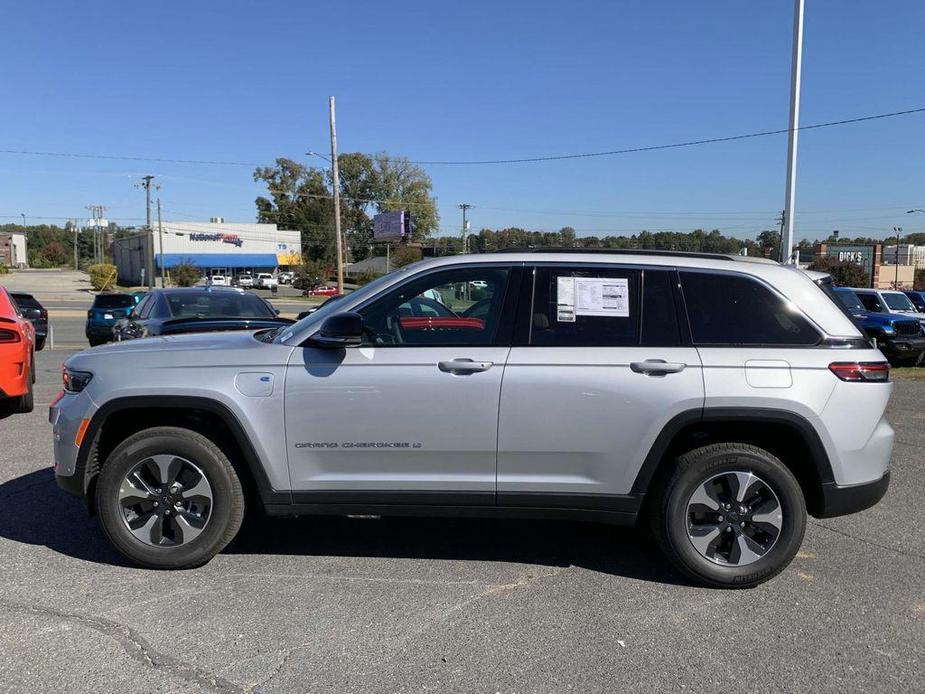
(715, 399)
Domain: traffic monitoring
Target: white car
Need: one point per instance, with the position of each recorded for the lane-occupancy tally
(219, 281)
(285, 277)
(245, 280)
(266, 281)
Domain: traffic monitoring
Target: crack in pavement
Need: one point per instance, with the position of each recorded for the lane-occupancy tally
(522, 581)
(895, 550)
(136, 648)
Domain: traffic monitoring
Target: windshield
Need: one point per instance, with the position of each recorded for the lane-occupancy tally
(113, 301)
(850, 300)
(222, 304)
(331, 307)
(897, 301)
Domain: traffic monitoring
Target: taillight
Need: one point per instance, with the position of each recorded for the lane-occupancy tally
(863, 372)
(43, 313)
(9, 336)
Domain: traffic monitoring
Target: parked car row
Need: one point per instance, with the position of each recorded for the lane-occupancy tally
(890, 320)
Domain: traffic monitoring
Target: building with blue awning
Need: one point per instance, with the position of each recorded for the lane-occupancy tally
(215, 248)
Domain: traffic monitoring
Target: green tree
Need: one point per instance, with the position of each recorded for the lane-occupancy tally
(845, 273)
(300, 197)
(185, 274)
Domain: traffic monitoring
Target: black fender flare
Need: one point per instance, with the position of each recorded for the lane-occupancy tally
(750, 415)
(267, 493)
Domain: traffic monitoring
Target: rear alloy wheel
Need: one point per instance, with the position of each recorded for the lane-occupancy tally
(169, 498)
(731, 515)
(734, 518)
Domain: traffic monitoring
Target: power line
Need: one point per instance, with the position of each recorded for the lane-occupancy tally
(690, 143)
(524, 160)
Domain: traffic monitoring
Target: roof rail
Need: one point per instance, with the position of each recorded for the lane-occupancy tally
(618, 251)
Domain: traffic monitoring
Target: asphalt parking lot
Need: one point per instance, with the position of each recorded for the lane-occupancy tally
(409, 605)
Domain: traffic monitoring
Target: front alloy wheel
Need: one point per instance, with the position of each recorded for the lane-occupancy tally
(165, 500)
(169, 498)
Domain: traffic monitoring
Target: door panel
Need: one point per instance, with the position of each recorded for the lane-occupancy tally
(581, 421)
(387, 418)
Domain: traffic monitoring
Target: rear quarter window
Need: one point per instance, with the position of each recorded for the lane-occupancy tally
(728, 310)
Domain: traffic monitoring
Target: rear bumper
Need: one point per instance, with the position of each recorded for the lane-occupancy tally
(841, 500)
(100, 331)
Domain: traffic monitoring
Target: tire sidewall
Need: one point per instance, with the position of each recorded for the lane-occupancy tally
(223, 521)
(774, 474)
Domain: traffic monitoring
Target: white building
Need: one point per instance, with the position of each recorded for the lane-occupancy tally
(13, 249)
(215, 247)
(909, 254)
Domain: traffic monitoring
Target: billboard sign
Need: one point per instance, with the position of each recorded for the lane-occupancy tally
(391, 226)
(860, 255)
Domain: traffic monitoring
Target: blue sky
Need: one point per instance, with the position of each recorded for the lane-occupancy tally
(249, 81)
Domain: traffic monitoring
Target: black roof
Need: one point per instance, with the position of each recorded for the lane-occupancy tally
(618, 251)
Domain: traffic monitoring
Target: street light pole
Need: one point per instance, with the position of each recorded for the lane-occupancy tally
(899, 231)
(335, 175)
(796, 68)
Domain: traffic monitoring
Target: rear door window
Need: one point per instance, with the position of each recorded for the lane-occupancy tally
(728, 309)
(584, 307)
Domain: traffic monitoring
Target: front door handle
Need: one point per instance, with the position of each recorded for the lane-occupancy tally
(463, 366)
(657, 367)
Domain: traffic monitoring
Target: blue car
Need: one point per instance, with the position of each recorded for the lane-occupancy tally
(900, 338)
(106, 310)
(917, 298)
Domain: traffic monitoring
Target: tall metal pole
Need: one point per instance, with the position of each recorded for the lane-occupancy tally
(465, 230)
(899, 231)
(149, 269)
(75, 244)
(160, 235)
(336, 181)
(786, 241)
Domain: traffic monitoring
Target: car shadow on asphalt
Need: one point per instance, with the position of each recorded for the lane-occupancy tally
(34, 511)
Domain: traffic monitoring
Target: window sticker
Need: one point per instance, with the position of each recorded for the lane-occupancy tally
(602, 296)
(565, 300)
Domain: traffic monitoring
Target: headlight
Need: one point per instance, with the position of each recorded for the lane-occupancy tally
(888, 330)
(75, 381)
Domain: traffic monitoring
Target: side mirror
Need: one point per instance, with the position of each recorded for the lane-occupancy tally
(340, 330)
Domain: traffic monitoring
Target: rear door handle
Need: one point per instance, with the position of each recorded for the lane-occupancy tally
(463, 366)
(657, 367)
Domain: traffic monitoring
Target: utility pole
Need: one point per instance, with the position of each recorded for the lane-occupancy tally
(465, 230)
(160, 236)
(149, 265)
(98, 241)
(899, 231)
(76, 232)
(796, 68)
(335, 174)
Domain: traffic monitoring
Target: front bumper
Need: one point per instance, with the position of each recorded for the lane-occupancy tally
(66, 417)
(841, 500)
(903, 346)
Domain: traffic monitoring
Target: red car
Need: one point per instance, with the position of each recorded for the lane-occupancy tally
(323, 290)
(17, 357)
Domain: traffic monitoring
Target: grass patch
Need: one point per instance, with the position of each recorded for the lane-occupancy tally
(907, 373)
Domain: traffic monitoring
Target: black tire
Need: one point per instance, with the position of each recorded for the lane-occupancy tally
(39, 344)
(26, 403)
(96, 341)
(227, 510)
(669, 514)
